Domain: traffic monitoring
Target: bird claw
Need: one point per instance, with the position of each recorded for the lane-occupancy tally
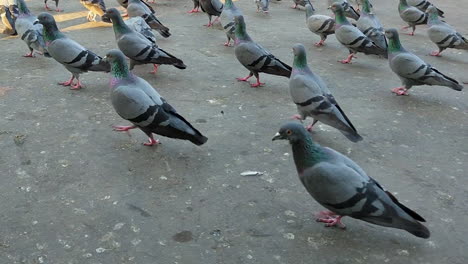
(123, 128)
(346, 61)
(227, 44)
(436, 54)
(77, 86)
(319, 44)
(257, 84)
(29, 55)
(297, 117)
(243, 79)
(330, 218)
(400, 91)
(151, 142)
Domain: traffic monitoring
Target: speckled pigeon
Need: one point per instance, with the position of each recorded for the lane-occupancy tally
(74, 57)
(57, 9)
(442, 34)
(411, 69)
(95, 7)
(262, 5)
(348, 9)
(370, 25)
(196, 7)
(300, 3)
(352, 38)
(411, 15)
(139, 25)
(254, 57)
(211, 8)
(31, 34)
(340, 185)
(227, 20)
(319, 24)
(141, 9)
(137, 47)
(423, 5)
(135, 100)
(313, 98)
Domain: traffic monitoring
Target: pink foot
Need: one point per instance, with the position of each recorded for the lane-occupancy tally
(193, 11)
(244, 79)
(348, 60)
(296, 117)
(227, 43)
(257, 84)
(400, 91)
(208, 25)
(410, 34)
(151, 142)
(76, 86)
(58, 10)
(294, 6)
(155, 70)
(125, 15)
(123, 128)
(330, 218)
(309, 127)
(67, 83)
(47, 8)
(29, 55)
(319, 44)
(436, 53)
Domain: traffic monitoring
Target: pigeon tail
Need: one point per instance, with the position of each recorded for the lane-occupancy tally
(415, 228)
(103, 66)
(447, 81)
(352, 135)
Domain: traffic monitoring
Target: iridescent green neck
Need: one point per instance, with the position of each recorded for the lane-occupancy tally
(366, 7)
(51, 32)
(434, 18)
(309, 10)
(300, 61)
(240, 32)
(306, 154)
(340, 17)
(119, 25)
(394, 44)
(403, 4)
(228, 4)
(22, 8)
(119, 69)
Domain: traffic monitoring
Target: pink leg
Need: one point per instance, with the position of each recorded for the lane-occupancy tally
(58, 10)
(294, 6)
(244, 79)
(29, 55)
(297, 117)
(436, 53)
(410, 34)
(67, 83)
(257, 84)
(151, 141)
(400, 91)
(123, 128)
(209, 24)
(320, 43)
(309, 127)
(76, 86)
(330, 218)
(195, 10)
(155, 70)
(227, 43)
(216, 19)
(47, 8)
(405, 27)
(348, 60)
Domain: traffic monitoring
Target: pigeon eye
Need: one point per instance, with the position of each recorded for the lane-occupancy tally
(289, 132)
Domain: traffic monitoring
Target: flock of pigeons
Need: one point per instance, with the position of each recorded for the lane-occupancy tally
(333, 179)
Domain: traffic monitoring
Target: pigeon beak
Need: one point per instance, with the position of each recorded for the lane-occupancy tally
(36, 22)
(277, 137)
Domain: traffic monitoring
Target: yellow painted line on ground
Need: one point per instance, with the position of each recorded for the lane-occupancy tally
(87, 25)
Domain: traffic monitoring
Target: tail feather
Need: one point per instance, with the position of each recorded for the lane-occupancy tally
(449, 82)
(169, 59)
(416, 229)
(103, 66)
(178, 129)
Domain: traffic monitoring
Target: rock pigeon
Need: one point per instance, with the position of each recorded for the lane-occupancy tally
(353, 38)
(411, 15)
(300, 3)
(124, 3)
(137, 47)
(227, 20)
(74, 57)
(319, 24)
(31, 34)
(423, 5)
(9, 14)
(411, 69)
(211, 8)
(95, 7)
(196, 7)
(57, 9)
(139, 25)
(358, 2)
(141, 9)
(442, 34)
(313, 98)
(254, 57)
(340, 185)
(262, 5)
(135, 100)
(348, 9)
(370, 25)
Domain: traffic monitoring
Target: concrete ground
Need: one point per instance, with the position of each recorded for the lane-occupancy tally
(74, 191)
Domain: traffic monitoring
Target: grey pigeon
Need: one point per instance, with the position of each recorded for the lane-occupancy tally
(74, 57)
(358, 2)
(211, 8)
(135, 100)
(353, 38)
(313, 98)
(423, 5)
(411, 15)
(137, 47)
(95, 7)
(370, 25)
(124, 3)
(31, 34)
(300, 3)
(348, 9)
(340, 185)
(227, 20)
(139, 25)
(319, 24)
(411, 69)
(141, 9)
(196, 7)
(254, 57)
(262, 5)
(442, 34)
(57, 9)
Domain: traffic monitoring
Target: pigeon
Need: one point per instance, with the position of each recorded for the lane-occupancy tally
(262, 5)
(57, 9)
(95, 7)
(423, 5)
(300, 3)
(358, 2)
(139, 8)
(31, 34)
(211, 8)
(254, 57)
(124, 3)
(227, 20)
(196, 7)
(9, 14)
(353, 38)
(319, 24)
(348, 9)
(313, 98)
(411, 15)
(370, 25)
(74, 57)
(442, 34)
(139, 25)
(341, 186)
(411, 69)
(135, 100)
(137, 47)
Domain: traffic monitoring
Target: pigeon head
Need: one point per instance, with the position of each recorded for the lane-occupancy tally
(240, 31)
(228, 3)
(309, 10)
(300, 57)
(112, 14)
(433, 13)
(22, 8)
(338, 10)
(393, 40)
(119, 67)
(365, 6)
(292, 131)
(46, 19)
